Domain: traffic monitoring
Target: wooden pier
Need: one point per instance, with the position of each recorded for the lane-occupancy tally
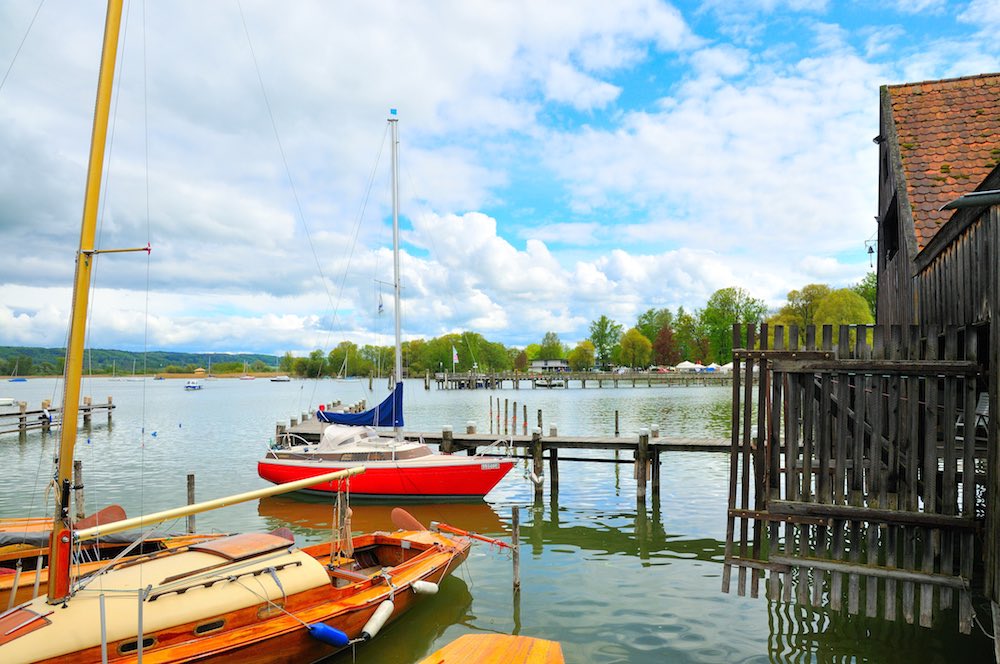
(21, 419)
(573, 379)
(642, 451)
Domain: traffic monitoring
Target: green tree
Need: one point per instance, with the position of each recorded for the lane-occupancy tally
(521, 361)
(551, 348)
(604, 334)
(689, 333)
(532, 351)
(665, 349)
(724, 308)
(652, 321)
(581, 358)
(635, 349)
(868, 289)
(287, 363)
(843, 307)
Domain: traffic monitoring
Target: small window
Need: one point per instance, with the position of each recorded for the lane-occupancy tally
(204, 628)
(132, 646)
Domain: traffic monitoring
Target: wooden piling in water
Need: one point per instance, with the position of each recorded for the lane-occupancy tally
(536, 454)
(447, 440)
(641, 462)
(190, 499)
(515, 541)
(524, 420)
(78, 497)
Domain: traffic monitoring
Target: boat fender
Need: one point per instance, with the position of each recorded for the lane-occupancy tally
(329, 635)
(377, 620)
(424, 587)
(537, 480)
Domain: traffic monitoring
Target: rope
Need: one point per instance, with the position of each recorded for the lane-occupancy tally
(20, 45)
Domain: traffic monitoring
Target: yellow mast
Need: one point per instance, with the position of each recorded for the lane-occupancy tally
(59, 546)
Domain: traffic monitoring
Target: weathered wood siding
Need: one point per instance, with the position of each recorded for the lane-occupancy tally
(852, 476)
(897, 244)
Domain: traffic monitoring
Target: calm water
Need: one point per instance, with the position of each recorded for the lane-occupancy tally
(611, 580)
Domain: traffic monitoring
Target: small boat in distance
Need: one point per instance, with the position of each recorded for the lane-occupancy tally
(280, 379)
(246, 375)
(193, 384)
(14, 378)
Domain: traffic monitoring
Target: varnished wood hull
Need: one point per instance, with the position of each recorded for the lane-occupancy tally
(254, 630)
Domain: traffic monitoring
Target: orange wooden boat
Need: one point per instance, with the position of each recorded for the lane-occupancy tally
(242, 598)
(24, 551)
(497, 649)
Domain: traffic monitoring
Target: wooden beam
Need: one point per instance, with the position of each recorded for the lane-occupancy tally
(874, 515)
(956, 582)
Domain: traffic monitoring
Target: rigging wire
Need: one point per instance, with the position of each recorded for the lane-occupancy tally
(21, 44)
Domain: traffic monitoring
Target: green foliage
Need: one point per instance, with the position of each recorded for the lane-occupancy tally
(690, 336)
(531, 351)
(635, 349)
(581, 358)
(868, 289)
(51, 361)
(604, 334)
(521, 361)
(724, 308)
(843, 307)
(652, 321)
(551, 348)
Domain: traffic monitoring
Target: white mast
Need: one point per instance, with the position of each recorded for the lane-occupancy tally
(398, 368)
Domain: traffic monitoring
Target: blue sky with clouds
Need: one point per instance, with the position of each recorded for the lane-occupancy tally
(559, 160)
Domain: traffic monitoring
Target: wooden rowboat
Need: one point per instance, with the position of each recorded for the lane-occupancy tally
(497, 649)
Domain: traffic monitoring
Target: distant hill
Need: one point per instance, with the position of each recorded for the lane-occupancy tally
(49, 361)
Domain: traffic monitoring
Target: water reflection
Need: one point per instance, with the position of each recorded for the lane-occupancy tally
(312, 516)
(420, 627)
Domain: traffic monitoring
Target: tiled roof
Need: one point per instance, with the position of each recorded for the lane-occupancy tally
(949, 140)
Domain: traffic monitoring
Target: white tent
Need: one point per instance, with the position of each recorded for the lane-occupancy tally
(688, 366)
(726, 368)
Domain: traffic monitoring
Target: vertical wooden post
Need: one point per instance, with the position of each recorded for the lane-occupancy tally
(641, 461)
(515, 541)
(553, 471)
(22, 419)
(616, 424)
(427, 379)
(78, 499)
(498, 416)
(553, 429)
(536, 454)
(524, 420)
(491, 414)
(88, 404)
(513, 428)
(506, 416)
(190, 492)
(539, 418)
(110, 409)
(470, 427)
(46, 419)
(447, 439)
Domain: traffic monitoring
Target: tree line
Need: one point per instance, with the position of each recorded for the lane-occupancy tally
(29, 361)
(658, 337)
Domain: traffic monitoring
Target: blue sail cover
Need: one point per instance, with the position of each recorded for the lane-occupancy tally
(389, 413)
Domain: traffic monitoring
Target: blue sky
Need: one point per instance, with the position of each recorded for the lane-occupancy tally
(559, 160)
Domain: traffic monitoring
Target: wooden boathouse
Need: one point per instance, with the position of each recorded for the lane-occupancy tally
(864, 472)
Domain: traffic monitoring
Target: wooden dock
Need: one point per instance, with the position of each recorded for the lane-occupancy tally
(572, 379)
(642, 451)
(21, 419)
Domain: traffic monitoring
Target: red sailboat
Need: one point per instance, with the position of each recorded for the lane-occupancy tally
(395, 468)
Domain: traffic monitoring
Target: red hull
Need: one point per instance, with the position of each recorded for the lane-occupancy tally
(446, 480)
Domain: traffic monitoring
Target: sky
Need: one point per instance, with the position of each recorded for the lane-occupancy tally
(558, 161)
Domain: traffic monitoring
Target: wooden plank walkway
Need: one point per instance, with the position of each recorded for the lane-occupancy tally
(22, 420)
(476, 440)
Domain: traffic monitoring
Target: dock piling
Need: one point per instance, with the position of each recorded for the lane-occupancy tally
(78, 499)
(447, 439)
(536, 453)
(515, 541)
(641, 464)
(190, 497)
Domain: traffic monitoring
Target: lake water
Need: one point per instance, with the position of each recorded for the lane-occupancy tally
(612, 580)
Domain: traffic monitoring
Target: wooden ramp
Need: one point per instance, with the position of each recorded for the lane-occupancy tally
(497, 649)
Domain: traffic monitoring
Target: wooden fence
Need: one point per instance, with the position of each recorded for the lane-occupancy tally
(852, 476)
